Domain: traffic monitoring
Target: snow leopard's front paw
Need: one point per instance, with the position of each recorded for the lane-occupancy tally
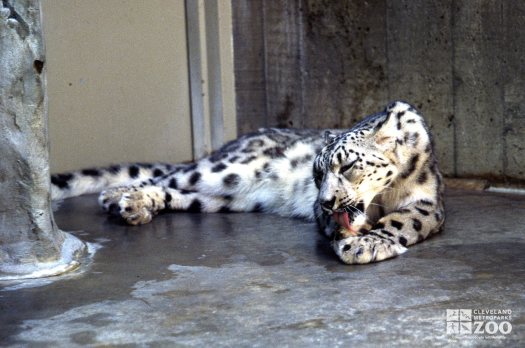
(366, 249)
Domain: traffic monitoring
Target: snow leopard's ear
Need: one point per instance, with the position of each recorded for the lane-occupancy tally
(387, 131)
(385, 142)
(329, 137)
(386, 134)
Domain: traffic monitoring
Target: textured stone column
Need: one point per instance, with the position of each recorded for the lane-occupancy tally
(31, 245)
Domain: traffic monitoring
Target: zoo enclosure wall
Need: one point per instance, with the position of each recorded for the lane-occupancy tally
(323, 63)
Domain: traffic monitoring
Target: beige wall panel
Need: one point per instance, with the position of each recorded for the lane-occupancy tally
(117, 82)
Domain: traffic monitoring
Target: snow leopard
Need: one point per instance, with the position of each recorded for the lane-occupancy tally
(373, 189)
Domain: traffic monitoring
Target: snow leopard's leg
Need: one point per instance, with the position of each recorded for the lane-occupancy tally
(138, 205)
(203, 186)
(391, 235)
(109, 198)
(94, 180)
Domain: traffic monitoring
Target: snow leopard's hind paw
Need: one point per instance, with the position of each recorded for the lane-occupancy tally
(109, 199)
(136, 208)
(136, 205)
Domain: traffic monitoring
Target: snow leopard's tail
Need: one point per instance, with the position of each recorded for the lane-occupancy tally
(95, 180)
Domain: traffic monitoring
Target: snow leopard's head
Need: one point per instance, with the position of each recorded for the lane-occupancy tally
(355, 166)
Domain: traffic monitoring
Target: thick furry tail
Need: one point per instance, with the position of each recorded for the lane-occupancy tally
(97, 179)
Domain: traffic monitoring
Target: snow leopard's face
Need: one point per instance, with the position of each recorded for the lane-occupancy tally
(352, 169)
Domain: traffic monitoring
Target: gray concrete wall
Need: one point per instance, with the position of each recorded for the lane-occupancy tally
(326, 63)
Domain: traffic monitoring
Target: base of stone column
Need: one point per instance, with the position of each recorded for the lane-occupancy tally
(72, 252)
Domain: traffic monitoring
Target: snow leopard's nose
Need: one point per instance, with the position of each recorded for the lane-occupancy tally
(328, 205)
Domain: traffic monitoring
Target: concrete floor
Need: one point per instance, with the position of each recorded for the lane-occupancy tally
(259, 280)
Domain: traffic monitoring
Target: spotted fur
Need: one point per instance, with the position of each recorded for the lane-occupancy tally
(382, 174)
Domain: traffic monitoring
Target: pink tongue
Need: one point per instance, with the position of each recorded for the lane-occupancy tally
(343, 220)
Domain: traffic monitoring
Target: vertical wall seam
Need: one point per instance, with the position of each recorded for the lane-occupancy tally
(301, 62)
(191, 107)
(265, 63)
(503, 75)
(387, 54)
(453, 79)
